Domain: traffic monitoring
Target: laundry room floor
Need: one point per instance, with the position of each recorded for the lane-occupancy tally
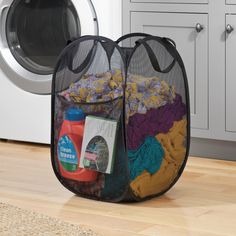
(203, 202)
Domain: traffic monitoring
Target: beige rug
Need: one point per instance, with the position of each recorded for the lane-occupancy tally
(15, 221)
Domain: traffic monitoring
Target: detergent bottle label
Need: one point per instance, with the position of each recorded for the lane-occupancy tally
(67, 154)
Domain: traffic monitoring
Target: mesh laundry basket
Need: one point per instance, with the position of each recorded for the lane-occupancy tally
(142, 85)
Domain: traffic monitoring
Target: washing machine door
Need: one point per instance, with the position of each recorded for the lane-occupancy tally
(34, 32)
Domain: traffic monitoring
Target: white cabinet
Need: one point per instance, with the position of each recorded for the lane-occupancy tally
(230, 102)
(193, 48)
(209, 55)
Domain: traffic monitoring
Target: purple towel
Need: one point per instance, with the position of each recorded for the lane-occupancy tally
(153, 122)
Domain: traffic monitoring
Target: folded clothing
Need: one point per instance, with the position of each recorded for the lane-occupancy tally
(144, 93)
(173, 144)
(148, 157)
(153, 122)
(96, 87)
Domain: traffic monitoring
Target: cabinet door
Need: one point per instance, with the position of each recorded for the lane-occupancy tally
(231, 75)
(193, 48)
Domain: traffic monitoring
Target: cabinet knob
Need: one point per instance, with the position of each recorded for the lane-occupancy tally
(229, 28)
(199, 27)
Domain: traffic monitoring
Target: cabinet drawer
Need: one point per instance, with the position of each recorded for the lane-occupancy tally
(231, 2)
(173, 1)
(192, 46)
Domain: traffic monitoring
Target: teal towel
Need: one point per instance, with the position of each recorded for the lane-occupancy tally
(147, 157)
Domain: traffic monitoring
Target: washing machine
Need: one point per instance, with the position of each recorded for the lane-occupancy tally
(32, 35)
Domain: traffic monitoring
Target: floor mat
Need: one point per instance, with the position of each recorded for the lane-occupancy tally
(18, 222)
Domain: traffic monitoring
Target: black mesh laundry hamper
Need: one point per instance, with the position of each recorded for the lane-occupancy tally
(140, 82)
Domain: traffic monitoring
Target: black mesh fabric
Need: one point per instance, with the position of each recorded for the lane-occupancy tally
(157, 116)
(141, 84)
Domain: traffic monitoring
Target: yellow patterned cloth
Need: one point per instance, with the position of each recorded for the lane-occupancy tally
(173, 144)
(143, 93)
(98, 87)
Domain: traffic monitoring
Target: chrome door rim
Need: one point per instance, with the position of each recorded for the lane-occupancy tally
(24, 79)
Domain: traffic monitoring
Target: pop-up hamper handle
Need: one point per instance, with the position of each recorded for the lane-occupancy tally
(170, 41)
(122, 38)
(152, 56)
(86, 61)
(91, 54)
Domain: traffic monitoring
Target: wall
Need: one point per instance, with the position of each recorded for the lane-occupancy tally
(109, 17)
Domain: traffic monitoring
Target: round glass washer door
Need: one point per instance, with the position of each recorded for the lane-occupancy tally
(36, 31)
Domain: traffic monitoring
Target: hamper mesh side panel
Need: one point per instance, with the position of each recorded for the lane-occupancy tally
(156, 120)
(90, 77)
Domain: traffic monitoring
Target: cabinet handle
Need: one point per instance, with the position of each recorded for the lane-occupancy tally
(199, 27)
(229, 28)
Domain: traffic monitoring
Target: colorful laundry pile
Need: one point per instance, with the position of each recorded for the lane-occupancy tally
(96, 88)
(144, 93)
(98, 94)
(156, 130)
(153, 122)
(148, 184)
